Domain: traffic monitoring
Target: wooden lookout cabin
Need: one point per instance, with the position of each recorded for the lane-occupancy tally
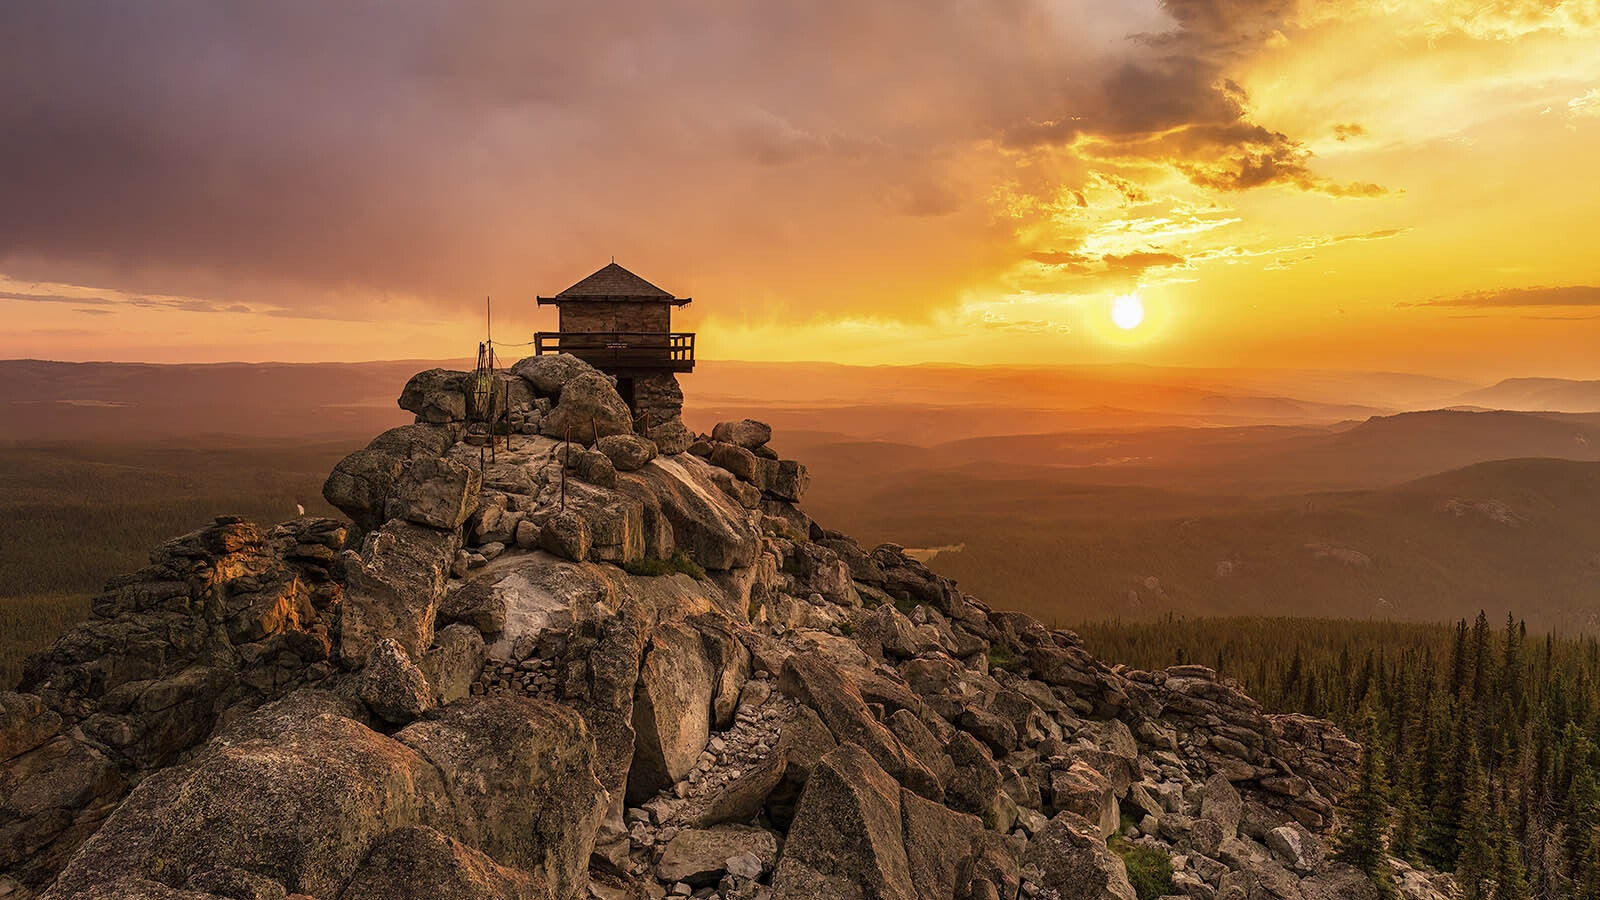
(620, 324)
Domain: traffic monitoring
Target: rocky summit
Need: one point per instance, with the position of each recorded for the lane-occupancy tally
(580, 661)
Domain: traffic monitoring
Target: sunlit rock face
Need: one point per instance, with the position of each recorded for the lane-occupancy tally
(621, 667)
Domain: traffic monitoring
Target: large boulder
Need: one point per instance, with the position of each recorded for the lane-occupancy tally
(1085, 791)
(419, 441)
(298, 792)
(786, 479)
(1298, 848)
(439, 492)
(941, 846)
(418, 862)
(859, 834)
(55, 790)
(683, 510)
(437, 396)
(671, 437)
(921, 743)
(25, 723)
(1071, 857)
(699, 856)
(453, 662)
(736, 459)
(392, 686)
(567, 535)
(740, 799)
(519, 783)
(1220, 802)
(602, 668)
(361, 485)
(746, 433)
(975, 786)
(627, 452)
(550, 373)
(730, 665)
(589, 408)
(1344, 882)
(802, 743)
(393, 587)
(845, 842)
(822, 686)
(297, 796)
(671, 710)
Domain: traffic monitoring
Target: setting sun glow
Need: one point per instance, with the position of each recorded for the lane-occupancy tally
(1127, 311)
(1287, 184)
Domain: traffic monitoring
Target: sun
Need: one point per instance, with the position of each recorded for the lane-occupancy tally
(1127, 311)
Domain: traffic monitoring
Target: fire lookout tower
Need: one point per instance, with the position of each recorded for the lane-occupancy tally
(622, 325)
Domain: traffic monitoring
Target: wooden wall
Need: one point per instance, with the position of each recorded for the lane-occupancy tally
(584, 316)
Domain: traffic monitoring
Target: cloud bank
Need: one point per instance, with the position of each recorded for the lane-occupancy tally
(279, 154)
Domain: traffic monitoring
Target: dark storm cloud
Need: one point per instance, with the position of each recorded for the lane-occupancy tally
(1173, 105)
(201, 148)
(275, 153)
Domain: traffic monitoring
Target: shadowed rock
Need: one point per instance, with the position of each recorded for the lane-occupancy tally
(671, 710)
(1072, 859)
(437, 396)
(392, 686)
(589, 408)
(392, 589)
(421, 862)
(845, 841)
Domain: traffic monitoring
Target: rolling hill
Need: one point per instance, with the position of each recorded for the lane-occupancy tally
(1505, 535)
(1555, 394)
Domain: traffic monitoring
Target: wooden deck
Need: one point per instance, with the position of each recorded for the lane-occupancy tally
(622, 350)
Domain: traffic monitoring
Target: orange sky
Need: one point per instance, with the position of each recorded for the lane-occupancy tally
(1349, 184)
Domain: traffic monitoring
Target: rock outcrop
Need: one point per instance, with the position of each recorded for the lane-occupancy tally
(614, 659)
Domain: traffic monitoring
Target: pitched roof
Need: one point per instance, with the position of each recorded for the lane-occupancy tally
(613, 282)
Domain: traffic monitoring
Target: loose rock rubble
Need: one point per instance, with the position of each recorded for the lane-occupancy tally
(614, 659)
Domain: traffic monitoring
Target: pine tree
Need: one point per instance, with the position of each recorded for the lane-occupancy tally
(1586, 874)
(1582, 807)
(1440, 846)
(1511, 700)
(1458, 660)
(1405, 837)
(1476, 858)
(1363, 842)
(1510, 876)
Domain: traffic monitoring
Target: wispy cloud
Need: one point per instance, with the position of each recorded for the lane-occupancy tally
(182, 304)
(101, 303)
(1585, 106)
(1515, 298)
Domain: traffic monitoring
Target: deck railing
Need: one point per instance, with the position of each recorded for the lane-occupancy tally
(621, 348)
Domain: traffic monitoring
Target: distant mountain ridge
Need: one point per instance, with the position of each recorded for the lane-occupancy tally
(1553, 394)
(45, 400)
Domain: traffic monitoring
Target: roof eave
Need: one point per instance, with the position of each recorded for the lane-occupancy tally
(601, 298)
